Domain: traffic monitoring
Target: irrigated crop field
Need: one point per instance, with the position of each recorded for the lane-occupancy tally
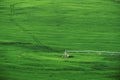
(35, 33)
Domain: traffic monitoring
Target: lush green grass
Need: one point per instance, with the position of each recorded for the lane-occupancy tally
(34, 34)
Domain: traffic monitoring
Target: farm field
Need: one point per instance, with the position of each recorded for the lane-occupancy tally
(35, 33)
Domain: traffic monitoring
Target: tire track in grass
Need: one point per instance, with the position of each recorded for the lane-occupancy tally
(38, 43)
(12, 8)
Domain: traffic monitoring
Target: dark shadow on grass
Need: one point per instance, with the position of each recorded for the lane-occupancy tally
(3, 77)
(112, 58)
(96, 66)
(33, 47)
(116, 76)
(115, 59)
(3, 73)
(117, 1)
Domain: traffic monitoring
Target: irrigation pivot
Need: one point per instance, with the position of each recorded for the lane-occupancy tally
(65, 55)
(89, 52)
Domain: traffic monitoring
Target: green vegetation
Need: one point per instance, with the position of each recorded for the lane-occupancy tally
(35, 33)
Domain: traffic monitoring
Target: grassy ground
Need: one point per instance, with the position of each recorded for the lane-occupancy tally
(34, 34)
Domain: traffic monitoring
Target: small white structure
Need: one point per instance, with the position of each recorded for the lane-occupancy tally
(65, 55)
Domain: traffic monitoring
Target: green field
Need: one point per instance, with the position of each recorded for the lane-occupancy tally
(35, 33)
